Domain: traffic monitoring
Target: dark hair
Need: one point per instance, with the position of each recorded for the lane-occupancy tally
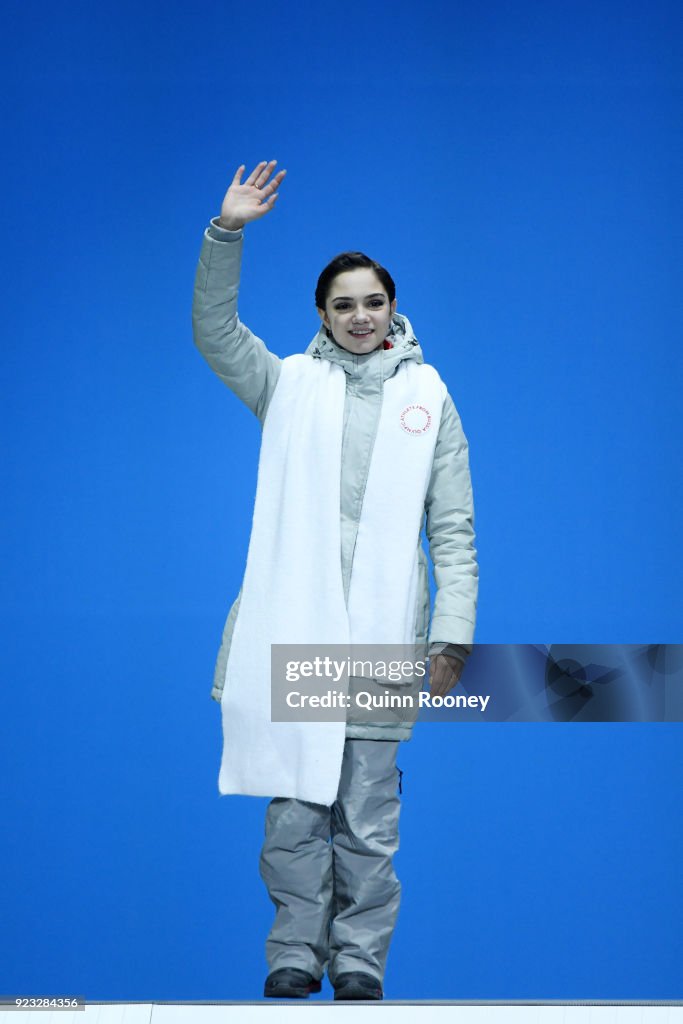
(349, 261)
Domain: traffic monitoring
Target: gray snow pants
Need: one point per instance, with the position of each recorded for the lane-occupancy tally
(329, 872)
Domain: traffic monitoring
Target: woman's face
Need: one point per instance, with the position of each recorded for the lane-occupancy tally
(357, 310)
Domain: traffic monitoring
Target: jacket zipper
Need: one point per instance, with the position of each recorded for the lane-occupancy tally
(372, 448)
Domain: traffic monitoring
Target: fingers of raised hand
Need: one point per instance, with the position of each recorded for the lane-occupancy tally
(252, 198)
(272, 185)
(261, 173)
(265, 174)
(253, 178)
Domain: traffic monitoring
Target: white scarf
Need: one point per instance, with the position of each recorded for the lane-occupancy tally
(293, 589)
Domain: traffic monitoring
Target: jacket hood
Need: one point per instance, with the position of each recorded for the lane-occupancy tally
(405, 346)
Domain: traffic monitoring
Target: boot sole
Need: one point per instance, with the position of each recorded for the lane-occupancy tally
(356, 993)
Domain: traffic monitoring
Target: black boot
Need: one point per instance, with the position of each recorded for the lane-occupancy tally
(357, 985)
(290, 983)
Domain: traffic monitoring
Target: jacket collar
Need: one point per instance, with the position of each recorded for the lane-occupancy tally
(405, 346)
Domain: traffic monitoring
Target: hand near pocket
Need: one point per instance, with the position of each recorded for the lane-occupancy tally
(444, 673)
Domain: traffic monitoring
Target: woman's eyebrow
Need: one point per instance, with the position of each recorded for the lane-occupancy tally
(349, 298)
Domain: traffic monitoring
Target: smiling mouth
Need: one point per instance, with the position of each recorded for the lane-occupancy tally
(360, 334)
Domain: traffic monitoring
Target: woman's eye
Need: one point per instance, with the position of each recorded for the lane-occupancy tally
(373, 302)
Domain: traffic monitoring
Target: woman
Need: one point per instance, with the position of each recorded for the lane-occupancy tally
(334, 556)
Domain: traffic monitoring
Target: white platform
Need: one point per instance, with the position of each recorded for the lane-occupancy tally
(314, 1011)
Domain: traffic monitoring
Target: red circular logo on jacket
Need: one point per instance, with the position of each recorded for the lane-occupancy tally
(415, 419)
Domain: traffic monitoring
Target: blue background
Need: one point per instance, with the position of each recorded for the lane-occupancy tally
(518, 169)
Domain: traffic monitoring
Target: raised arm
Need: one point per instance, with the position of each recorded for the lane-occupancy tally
(233, 352)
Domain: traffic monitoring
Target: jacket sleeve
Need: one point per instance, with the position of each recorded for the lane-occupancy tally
(450, 531)
(237, 356)
(459, 651)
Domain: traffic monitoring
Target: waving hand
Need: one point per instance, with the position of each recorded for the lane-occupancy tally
(245, 202)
